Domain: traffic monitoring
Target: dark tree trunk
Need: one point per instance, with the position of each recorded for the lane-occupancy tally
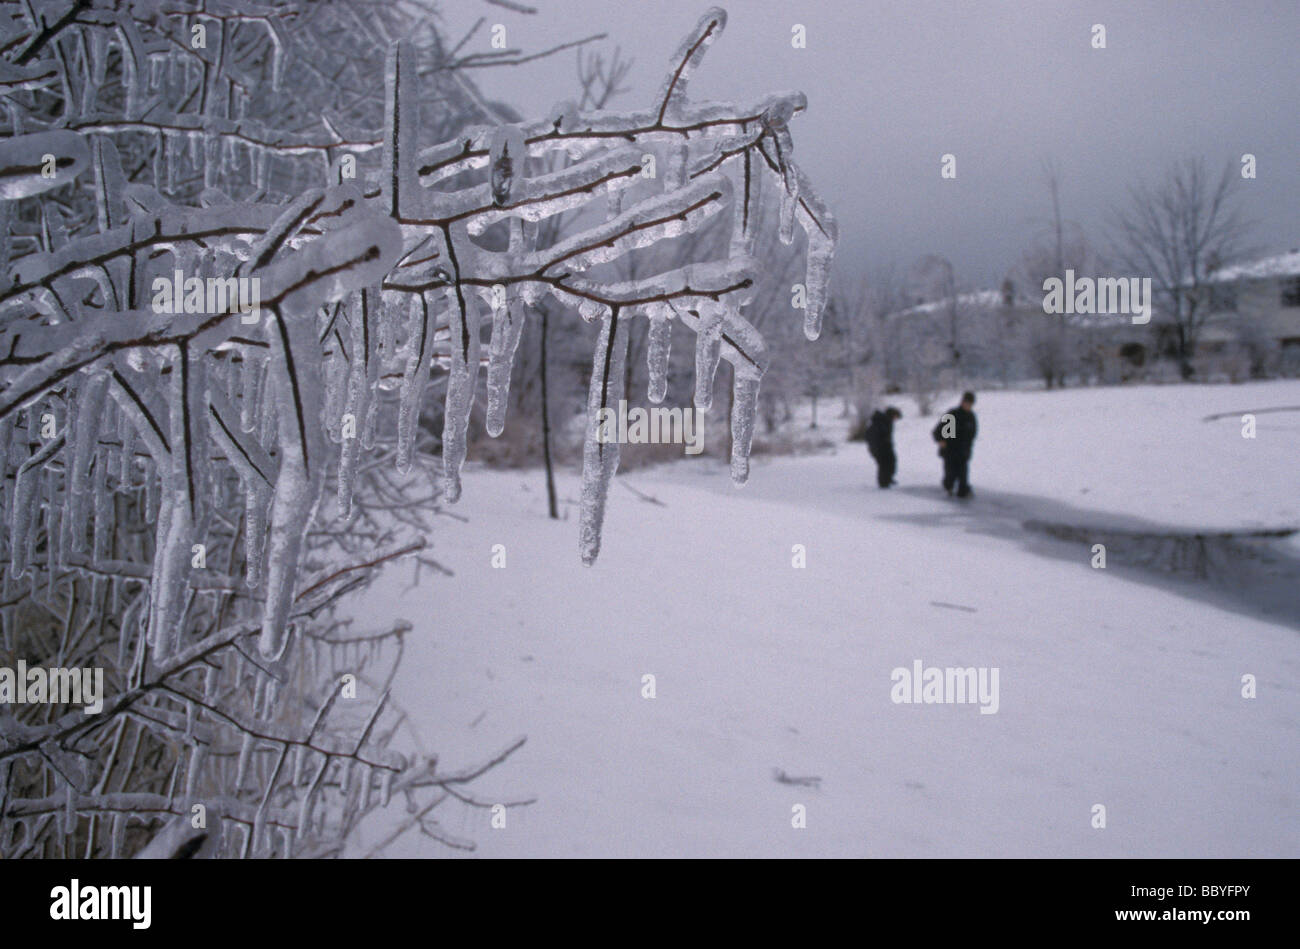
(546, 431)
(1185, 349)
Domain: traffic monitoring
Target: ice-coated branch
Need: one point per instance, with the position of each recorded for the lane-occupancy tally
(232, 280)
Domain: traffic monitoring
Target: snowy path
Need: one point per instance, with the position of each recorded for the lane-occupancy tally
(1113, 689)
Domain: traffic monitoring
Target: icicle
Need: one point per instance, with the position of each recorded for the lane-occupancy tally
(117, 836)
(386, 788)
(6, 440)
(151, 486)
(255, 502)
(414, 381)
(212, 156)
(24, 514)
(126, 457)
(370, 425)
(69, 809)
(85, 436)
(173, 537)
(708, 349)
(461, 381)
(298, 486)
(54, 551)
(129, 627)
(261, 166)
(367, 787)
(336, 390)
(600, 453)
(98, 55)
(304, 812)
(821, 248)
(507, 327)
(357, 404)
(269, 696)
(198, 755)
(657, 353)
(159, 156)
(775, 120)
(103, 519)
(745, 384)
(171, 147)
(384, 325)
(245, 755)
(268, 414)
(746, 211)
(253, 380)
(345, 778)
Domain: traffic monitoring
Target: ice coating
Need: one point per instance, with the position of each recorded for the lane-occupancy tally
(687, 59)
(373, 292)
(658, 350)
(299, 396)
(819, 225)
(414, 379)
(507, 159)
(599, 457)
(23, 161)
(507, 328)
(744, 408)
(461, 379)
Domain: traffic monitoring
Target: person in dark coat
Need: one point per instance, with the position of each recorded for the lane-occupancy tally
(880, 442)
(955, 434)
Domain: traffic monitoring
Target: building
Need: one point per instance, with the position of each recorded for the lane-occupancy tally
(1251, 329)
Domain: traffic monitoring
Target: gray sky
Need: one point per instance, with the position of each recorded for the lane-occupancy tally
(1001, 84)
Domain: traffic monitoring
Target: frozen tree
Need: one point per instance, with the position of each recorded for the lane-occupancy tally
(856, 327)
(165, 450)
(660, 174)
(1054, 345)
(236, 266)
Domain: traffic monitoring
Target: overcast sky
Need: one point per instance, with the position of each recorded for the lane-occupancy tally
(1001, 84)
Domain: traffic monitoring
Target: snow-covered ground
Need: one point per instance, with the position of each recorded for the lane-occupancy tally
(1118, 687)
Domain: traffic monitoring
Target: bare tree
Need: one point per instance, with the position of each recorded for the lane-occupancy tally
(1177, 233)
(935, 279)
